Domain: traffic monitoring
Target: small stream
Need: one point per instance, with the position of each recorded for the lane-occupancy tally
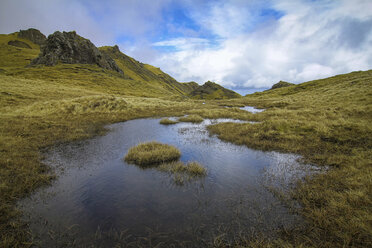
(101, 200)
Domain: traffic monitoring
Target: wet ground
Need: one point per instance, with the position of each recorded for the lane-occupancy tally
(100, 199)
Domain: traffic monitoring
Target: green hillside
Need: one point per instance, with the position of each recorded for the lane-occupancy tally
(138, 80)
(210, 91)
(281, 84)
(328, 122)
(145, 73)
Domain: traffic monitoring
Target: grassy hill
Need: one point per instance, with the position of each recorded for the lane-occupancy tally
(210, 91)
(281, 84)
(138, 80)
(328, 122)
(146, 73)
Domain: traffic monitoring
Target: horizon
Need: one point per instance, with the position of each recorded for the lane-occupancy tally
(246, 46)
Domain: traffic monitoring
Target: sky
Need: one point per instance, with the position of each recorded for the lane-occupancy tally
(244, 45)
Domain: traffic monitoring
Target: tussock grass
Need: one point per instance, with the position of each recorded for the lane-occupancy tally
(167, 121)
(327, 122)
(151, 153)
(191, 168)
(191, 118)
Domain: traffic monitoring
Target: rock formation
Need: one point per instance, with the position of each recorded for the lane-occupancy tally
(70, 48)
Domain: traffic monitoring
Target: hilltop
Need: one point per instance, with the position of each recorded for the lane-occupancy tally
(66, 56)
(70, 48)
(281, 84)
(211, 90)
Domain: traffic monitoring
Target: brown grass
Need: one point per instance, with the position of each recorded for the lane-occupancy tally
(151, 153)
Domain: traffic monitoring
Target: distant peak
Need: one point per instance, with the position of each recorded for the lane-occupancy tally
(281, 84)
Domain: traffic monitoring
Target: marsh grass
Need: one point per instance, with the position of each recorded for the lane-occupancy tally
(193, 168)
(328, 123)
(167, 121)
(194, 118)
(151, 153)
(183, 173)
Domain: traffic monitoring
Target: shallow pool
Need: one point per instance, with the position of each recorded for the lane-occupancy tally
(99, 199)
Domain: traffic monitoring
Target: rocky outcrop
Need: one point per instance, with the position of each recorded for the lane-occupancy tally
(281, 84)
(70, 48)
(18, 43)
(33, 35)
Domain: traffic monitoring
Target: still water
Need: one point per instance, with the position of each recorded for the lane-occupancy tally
(252, 109)
(101, 200)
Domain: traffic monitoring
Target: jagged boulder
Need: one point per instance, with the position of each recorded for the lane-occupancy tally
(33, 35)
(70, 48)
(281, 84)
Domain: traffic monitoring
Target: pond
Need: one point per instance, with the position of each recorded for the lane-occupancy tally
(100, 199)
(252, 109)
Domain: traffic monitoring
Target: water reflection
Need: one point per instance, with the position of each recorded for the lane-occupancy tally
(99, 199)
(252, 109)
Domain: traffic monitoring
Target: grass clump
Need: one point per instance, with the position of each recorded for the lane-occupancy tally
(191, 118)
(151, 153)
(191, 168)
(167, 121)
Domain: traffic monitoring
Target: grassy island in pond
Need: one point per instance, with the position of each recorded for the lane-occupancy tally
(151, 153)
(192, 118)
(167, 121)
(191, 168)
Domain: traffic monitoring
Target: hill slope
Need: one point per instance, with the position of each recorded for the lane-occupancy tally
(17, 52)
(281, 84)
(210, 90)
(144, 72)
(328, 122)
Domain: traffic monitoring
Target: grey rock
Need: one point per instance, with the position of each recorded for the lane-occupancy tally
(70, 48)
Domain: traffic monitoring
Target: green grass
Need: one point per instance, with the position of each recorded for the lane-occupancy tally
(191, 118)
(151, 153)
(167, 121)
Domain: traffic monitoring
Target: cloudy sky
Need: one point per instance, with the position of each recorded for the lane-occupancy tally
(246, 45)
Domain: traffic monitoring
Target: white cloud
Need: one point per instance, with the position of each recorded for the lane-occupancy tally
(312, 40)
(236, 43)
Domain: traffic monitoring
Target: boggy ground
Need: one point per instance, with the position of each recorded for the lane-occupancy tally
(326, 121)
(38, 113)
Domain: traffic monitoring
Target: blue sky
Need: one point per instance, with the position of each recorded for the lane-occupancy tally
(246, 45)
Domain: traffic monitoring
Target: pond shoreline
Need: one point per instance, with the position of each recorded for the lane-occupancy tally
(112, 128)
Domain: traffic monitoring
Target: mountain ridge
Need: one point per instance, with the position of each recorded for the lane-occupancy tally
(67, 52)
